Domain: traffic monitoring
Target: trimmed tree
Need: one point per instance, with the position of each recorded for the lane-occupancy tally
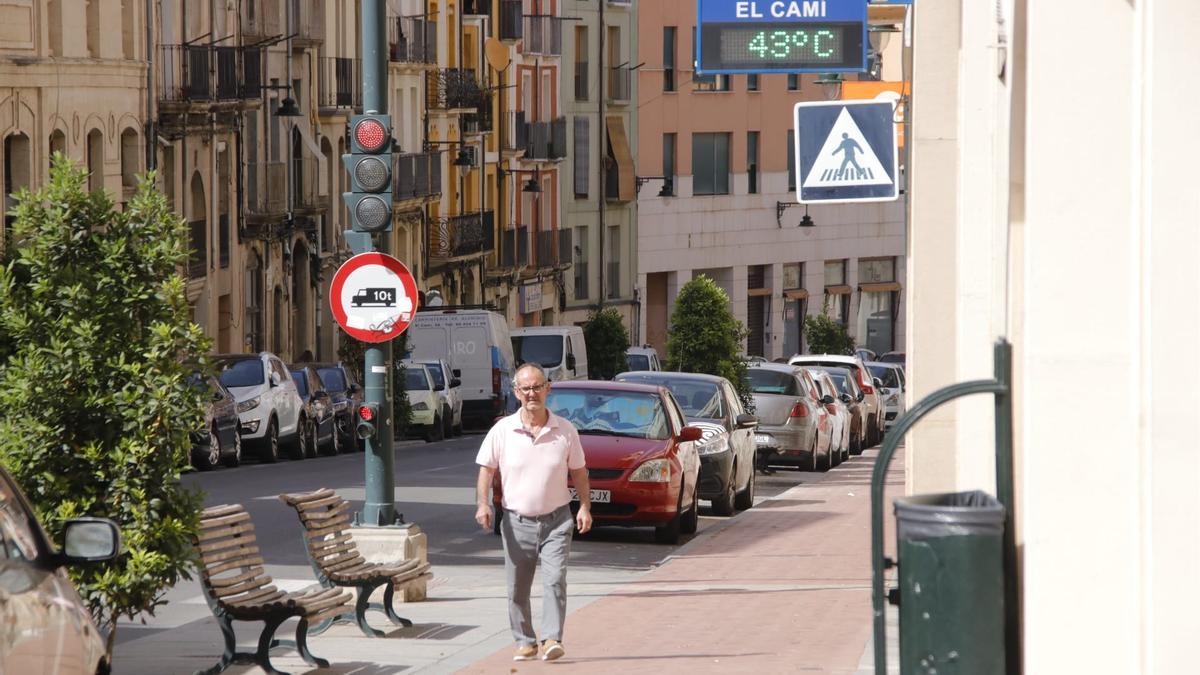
(96, 343)
(826, 336)
(607, 340)
(704, 336)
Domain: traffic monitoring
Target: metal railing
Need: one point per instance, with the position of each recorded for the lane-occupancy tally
(480, 121)
(581, 80)
(553, 248)
(339, 82)
(510, 20)
(543, 35)
(452, 88)
(619, 83)
(186, 73)
(463, 235)
(416, 175)
(516, 131)
(547, 140)
(306, 184)
(266, 188)
(412, 39)
(514, 254)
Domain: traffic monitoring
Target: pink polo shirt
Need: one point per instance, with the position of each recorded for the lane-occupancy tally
(533, 471)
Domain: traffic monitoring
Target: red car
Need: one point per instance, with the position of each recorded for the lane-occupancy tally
(641, 456)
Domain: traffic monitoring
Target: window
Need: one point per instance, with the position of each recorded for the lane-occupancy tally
(129, 158)
(706, 82)
(581, 63)
(835, 272)
(95, 160)
(710, 164)
(92, 20)
(17, 163)
(752, 161)
(668, 164)
(793, 82)
(129, 28)
(876, 270)
(837, 293)
(669, 58)
(791, 159)
(613, 273)
(581, 263)
(254, 302)
(752, 82)
(581, 161)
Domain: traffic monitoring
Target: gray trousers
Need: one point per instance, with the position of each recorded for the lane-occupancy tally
(529, 543)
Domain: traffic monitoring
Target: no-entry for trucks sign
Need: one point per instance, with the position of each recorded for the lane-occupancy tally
(373, 297)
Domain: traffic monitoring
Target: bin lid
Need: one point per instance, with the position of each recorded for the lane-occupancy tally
(949, 514)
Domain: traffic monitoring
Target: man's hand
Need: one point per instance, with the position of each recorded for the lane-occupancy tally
(583, 519)
(483, 516)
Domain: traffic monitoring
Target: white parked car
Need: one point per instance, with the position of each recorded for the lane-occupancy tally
(891, 377)
(839, 442)
(270, 412)
(449, 388)
(424, 401)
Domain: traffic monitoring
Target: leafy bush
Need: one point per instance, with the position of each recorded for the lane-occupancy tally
(704, 336)
(607, 341)
(96, 343)
(826, 336)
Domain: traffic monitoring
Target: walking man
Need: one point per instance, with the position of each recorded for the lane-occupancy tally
(534, 450)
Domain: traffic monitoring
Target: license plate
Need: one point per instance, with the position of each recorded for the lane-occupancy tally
(598, 496)
(762, 439)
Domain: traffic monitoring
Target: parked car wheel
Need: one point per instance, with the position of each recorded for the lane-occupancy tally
(335, 442)
(206, 458)
(233, 459)
(723, 505)
(745, 498)
(669, 533)
(458, 428)
(447, 422)
(298, 448)
(812, 456)
(311, 449)
(825, 463)
(271, 442)
(691, 519)
(434, 432)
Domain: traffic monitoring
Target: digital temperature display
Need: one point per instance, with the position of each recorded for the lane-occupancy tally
(772, 46)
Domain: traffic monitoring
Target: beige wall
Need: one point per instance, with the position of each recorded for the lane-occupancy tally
(1072, 231)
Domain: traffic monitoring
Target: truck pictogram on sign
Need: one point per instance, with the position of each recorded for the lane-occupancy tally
(374, 297)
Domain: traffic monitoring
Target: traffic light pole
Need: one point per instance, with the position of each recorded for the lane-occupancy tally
(379, 507)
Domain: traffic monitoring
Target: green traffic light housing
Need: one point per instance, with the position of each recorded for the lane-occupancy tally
(367, 414)
(369, 164)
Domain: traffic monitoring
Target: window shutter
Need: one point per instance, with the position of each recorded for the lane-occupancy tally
(582, 158)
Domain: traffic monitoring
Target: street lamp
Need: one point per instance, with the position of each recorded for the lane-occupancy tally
(668, 188)
(831, 85)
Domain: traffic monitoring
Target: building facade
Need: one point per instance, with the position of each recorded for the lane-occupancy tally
(716, 154)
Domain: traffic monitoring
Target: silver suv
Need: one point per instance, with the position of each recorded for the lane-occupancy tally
(269, 408)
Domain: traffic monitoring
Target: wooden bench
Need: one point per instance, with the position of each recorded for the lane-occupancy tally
(237, 588)
(337, 563)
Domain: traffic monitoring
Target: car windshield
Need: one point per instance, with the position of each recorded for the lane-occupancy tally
(892, 357)
(435, 371)
(886, 375)
(242, 373)
(638, 361)
(763, 381)
(333, 378)
(544, 350)
(697, 398)
(415, 380)
(301, 382)
(839, 377)
(611, 413)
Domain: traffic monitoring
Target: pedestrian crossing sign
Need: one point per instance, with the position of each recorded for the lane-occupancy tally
(846, 151)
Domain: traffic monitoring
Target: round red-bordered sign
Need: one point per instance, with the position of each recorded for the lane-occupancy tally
(373, 297)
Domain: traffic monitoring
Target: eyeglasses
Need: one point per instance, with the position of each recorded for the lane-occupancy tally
(533, 388)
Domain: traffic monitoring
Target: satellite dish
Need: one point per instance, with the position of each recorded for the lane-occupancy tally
(434, 299)
(496, 53)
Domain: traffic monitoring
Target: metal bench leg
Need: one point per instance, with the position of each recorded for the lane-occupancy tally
(227, 658)
(321, 626)
(302, 646)
(360, 610)
(390, 609)
(266, 640)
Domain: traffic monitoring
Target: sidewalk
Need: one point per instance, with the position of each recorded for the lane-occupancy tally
(784, 587)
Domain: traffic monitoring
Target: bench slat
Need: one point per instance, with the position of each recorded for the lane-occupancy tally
(299, 498)
(214, 570)
(208, 523)
(246, 586)
(336, 528)
(229, 554)
(223, 582)
(228, 531)
(341, 510)
(222, 544)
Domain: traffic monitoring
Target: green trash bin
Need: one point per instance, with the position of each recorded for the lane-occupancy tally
(951, 590)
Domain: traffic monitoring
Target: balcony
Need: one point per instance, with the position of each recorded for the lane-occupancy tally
(266, 189)
(452, 88)
(186, 76)
(307, 196)
(553, 248)
(510, 20)
(516, 131)
(462, 236)
(308, 22)
(619, 84)
(543, 35)
(480, 121)
(515, 253)
(416, 176)
(339, 83)
(547, 140)
(581, 80)
(412, 40)
(262, 19)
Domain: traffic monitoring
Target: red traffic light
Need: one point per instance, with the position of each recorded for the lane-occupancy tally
(370, 134)
(366, 413)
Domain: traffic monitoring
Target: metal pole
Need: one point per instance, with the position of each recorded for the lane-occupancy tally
(1005, 493)
(379, 507)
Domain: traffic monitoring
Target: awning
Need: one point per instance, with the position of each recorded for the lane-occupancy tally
(626, 183)
(881, 287)
(838, 290)
(796, 294)
(755, 292)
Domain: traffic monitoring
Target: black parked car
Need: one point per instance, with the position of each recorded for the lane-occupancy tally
(346, 395)
(220, 441)
(727, 448)
(320, 432)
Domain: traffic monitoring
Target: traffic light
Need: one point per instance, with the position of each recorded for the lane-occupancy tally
(367, 414)
(370, 167)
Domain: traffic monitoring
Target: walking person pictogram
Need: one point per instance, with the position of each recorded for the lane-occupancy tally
(849, 146)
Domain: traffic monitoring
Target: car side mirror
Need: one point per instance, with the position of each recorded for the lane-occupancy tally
(90, 540)
(218, 395)
(745, 421)
(861, 396)
(455, 382)
(879, 383)
(826, 399)
(275, 379)
(571, 362)
(689, 434)
(456, 372)
(845, 398)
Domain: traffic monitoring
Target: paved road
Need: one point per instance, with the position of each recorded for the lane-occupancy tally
(465, 617)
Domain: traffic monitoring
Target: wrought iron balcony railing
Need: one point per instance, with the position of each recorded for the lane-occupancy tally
(553, 248)
(339, 82)
(186, 73)
(514, 247)
(547, 140)
(543, 35)
(448, 88)
(619, 84)
(416, 175)
(480, 121)
(412, 39)
(516, 131)
(463, 235)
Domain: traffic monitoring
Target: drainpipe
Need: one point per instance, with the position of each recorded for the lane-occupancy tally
(603, 153)
(150, 132)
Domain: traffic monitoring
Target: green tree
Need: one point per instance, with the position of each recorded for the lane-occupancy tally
(826, 336)
(607, 341)
(96, 344)
(704, 336)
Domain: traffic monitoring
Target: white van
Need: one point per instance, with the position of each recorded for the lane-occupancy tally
(475, 342)
(560, 350)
